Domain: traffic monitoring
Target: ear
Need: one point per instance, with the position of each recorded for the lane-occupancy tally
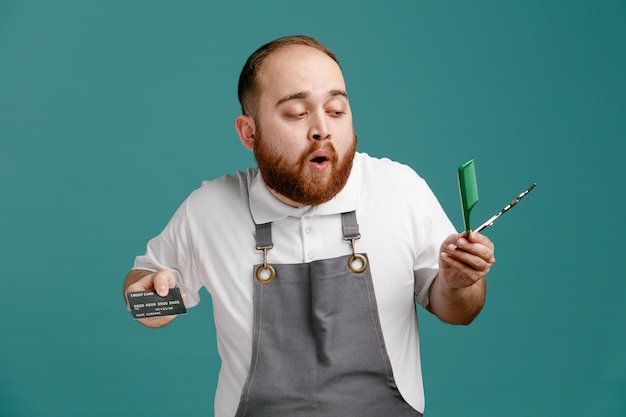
(245, 129)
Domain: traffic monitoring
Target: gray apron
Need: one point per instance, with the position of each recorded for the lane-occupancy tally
(318, 347)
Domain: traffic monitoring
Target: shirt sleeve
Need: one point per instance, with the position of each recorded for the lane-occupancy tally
(436, 227)
(171, 250)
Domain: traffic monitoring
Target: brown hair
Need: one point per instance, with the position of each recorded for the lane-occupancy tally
(248, 88)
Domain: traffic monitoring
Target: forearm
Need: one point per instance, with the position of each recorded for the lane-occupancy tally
(458, 305)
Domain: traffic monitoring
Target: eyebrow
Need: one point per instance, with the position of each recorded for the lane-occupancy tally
(303, 95)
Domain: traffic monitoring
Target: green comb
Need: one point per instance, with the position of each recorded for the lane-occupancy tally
(469, 191)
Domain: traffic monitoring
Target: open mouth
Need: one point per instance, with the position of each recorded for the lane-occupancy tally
(319, 159)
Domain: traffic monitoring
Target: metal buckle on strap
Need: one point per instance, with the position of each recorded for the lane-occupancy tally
(350, 229)
(357, 262)
(265, 273)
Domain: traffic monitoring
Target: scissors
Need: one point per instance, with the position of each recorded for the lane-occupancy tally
(506, 208)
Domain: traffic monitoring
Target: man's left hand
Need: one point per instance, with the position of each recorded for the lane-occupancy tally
(465, 261)
(458, 293)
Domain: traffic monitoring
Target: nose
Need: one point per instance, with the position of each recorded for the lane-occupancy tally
(319, 129)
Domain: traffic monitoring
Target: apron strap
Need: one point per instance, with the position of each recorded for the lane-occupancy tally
(264, 273)
(264, 236)
(349, 226)
(357, 262)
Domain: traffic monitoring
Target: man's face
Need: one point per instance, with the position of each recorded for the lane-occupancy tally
(304, 141)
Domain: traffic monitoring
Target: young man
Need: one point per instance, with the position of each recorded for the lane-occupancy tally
(314, 259)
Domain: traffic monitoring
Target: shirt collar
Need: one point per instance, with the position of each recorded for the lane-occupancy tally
(266, 208)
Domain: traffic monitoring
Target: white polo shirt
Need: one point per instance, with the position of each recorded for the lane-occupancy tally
(210, 242)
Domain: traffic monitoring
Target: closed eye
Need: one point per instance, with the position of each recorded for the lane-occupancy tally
(295, 115)
(336, 113)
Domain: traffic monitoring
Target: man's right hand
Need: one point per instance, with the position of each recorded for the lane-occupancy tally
(161, 281)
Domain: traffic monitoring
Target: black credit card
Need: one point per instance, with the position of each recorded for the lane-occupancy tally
(145, 304)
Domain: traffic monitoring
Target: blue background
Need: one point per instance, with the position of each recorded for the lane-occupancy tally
(111, 112)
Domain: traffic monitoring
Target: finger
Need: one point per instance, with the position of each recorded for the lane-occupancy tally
(475, 237)
(144, 284)
(163, 281)
(458, 274)
(449, 244)
(483, 250)
(471, 262)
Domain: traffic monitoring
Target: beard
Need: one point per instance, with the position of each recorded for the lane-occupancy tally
(297, 182)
